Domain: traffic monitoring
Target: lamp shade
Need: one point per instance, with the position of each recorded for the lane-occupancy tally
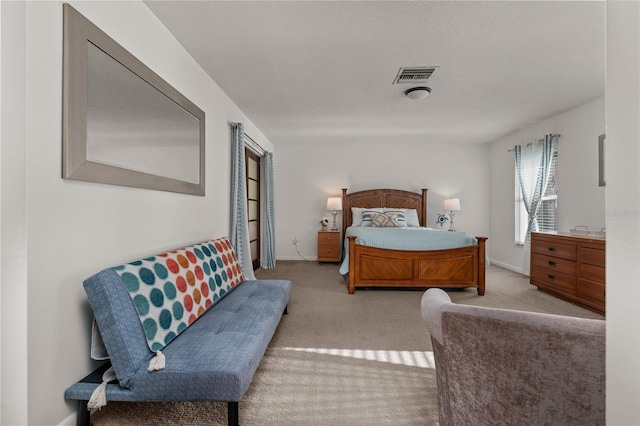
(334, 203)
(452, 204)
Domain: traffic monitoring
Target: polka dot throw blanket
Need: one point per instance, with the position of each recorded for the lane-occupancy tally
(171, 290)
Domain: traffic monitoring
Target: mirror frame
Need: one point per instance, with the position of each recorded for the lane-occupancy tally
(78, 31)
(602, 140)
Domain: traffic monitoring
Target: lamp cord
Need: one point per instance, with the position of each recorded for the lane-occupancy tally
(298, 251)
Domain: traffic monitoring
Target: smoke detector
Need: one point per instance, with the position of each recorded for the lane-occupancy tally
(417, 93)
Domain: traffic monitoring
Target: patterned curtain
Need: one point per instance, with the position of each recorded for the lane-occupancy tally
(239, 225)
(533, 187)
(268, 252)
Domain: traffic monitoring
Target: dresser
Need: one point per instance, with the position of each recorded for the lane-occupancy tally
(570, 267)
(329, 246)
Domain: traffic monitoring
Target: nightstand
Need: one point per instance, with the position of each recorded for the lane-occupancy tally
(329, 246)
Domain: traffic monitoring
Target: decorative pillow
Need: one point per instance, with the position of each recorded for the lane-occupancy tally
(367, 214)
(410, 215)
(171, 290)
(383, 220)
(399, 214)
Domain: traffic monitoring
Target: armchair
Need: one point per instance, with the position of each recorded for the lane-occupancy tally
(499, 366)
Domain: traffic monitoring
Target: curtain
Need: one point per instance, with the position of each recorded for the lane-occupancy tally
(533, 186)
(268, 246)
(239, 225)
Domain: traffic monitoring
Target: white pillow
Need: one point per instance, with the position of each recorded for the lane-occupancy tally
(410, 216)
(356, 216)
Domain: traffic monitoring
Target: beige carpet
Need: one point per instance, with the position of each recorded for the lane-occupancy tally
(338, 359)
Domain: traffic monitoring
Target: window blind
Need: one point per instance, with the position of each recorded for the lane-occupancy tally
(547, 212)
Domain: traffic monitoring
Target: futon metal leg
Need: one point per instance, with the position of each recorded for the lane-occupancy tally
(84, 415)
(232, 413)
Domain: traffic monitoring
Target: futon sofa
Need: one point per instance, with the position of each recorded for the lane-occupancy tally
(507, 367)
(180, 326)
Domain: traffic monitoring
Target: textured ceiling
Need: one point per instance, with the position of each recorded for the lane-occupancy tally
(313, 71)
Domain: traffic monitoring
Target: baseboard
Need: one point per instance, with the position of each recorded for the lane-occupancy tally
(69, 421)
(507, 266)
(312, 259)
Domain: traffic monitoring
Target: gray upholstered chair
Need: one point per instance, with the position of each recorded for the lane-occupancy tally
(499, 366)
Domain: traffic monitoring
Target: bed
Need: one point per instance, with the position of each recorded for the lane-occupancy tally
(459, 267)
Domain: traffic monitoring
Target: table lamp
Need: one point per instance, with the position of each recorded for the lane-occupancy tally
(453, 205)
(334, 204)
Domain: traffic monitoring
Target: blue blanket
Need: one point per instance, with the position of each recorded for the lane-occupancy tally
(409, 238)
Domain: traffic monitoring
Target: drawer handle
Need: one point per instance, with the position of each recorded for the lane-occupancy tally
(552, 263)
(551, 277)
(551, 248)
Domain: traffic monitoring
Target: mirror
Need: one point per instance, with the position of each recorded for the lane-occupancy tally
(122, 123)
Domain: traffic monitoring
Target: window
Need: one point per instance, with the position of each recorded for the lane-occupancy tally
(547, 212)
(253, 204)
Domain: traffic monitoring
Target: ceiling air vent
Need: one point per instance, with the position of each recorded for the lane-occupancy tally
(414, 74)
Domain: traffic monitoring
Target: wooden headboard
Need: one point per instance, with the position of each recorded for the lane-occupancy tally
(391, 198)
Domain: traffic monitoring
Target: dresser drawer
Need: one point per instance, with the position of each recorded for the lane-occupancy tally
(553, 280)
(591, 291)
(592, 256)
(326, 250)
(555, 249)
(328, 238)
(555, 264)
(592, 273)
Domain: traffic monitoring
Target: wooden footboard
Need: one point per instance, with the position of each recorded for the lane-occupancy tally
(451, 268)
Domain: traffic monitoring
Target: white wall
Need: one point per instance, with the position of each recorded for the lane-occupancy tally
(306, 174)
(580, 200)
(13, 277)
(55, 232)
(623, 212)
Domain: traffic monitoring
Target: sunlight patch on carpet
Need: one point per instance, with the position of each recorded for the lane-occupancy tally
(408, 358)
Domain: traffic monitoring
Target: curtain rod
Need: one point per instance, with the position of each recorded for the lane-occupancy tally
(557, 136)
(253, 145)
